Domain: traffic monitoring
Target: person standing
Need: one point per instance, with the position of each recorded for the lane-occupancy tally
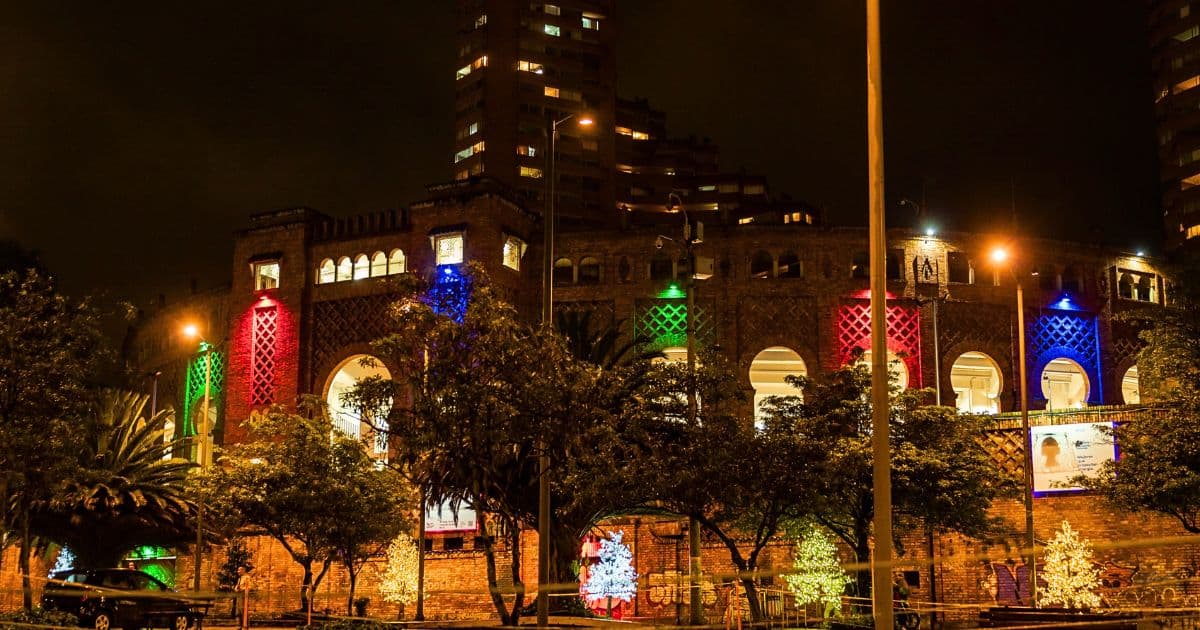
(244, 584)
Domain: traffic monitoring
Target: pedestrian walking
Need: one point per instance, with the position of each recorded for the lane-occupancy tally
(244, 584)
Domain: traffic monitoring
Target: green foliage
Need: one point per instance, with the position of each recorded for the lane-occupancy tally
(321, 497)
(236, 557)
(817, 576)
(399, 582)
(940, 476)
(346, 624)
(1071, 578)
(126, 490)
(23, 619)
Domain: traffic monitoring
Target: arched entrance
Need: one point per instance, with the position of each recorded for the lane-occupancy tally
(977, 383)
(1065, 385)
(346, 417)
(1131, 391)
(897, 370)
(768, 376)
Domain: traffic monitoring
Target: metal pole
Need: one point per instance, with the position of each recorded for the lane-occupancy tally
(1031, 558)
(880, 408)
(420, 615)
(937, 351)
(696, 570)
(154, 393)
(543, 599)
(202, 459)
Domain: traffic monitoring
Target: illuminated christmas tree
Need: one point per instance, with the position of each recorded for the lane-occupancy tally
(613, 577)
(399, 582)
(818, 577)
(1071, 578)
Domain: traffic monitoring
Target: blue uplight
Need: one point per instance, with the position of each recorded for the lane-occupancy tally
(449, 293)
(1065, 303)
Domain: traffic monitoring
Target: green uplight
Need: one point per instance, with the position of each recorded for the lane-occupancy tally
(672, 291)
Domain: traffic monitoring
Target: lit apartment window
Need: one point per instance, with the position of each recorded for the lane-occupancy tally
(327, 272)
(1188, 34)
(1187, 84)
(624, 131)
(1193, 231)
(481, 21)
(589, 144)
(728, 188)
(551, 30)
(481, 62)
(1185, 10)
(1187, 157)
(469, 151)
(448, 248)
(530, 172)
(745, 220)
(530, 66)
(796, 217)
(552, 9)
(468, 131)
(1189, 182)
(570, 95)
(266, 275)
(640, 135)
(754, 189)
(550, 91)
(514, 249)
(707, 188)
(462, 73)
(526, 150)
(461, 175)
(591, 24)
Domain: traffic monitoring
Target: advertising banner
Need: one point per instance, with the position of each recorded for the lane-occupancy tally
(1065, 451)
(441, 518)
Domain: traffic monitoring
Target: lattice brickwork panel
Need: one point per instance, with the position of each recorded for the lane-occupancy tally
(787, 320)
(262, 347)
(1057, 334)
(603, 312)
(903, 329)
(193, 395)
(1006, 449)
(983, 327)
(340, 323)
(664, 322)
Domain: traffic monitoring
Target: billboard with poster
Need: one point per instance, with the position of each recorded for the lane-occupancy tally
(1065, 451)
(442, 518)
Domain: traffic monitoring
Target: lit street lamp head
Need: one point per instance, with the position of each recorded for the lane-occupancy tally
(999, 255)
(191, 331)
(586, 120)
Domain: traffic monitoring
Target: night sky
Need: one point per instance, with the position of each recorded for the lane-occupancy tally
(135, 136)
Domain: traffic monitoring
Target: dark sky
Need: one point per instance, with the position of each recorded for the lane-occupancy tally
(136, 135)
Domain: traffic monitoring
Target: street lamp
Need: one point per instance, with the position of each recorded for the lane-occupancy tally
(551, 131)
(1000, 256)
(191, 331)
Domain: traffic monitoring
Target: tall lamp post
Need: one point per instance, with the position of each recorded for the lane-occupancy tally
(548, 217)
(881, 572)
(1000, 256)
(191, 331)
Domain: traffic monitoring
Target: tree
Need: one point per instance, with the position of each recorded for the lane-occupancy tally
(941, 478)
(739, 483)
(817, 576)
(1071, 578)
(49, 348)
(485, 394)
(612, 577)
(125, 490)
(297, 481)
(237, 557)
(399, 582)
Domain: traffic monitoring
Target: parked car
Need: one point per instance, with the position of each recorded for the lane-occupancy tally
(121, 598)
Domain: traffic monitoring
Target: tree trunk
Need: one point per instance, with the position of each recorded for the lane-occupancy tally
(26, 550)
(353, 583)
(489, 554)
(564, 551)
(862, 553)
(518, 584)
(306, 586)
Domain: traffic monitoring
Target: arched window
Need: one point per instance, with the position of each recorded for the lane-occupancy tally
(1065, 385)
(378, 264)
(564, 271)
(768, 376)
(789, 266)
(624, 270)
(362, 267)
(1125, 286)
(762, 265)
(589, 270)
(345, 269)
(897, 370)
(1131, 391)
(326, 273)
(396, 263)
(1145, 289)
(662, 267)
(860, 265)
(977, 383)
(369, 425)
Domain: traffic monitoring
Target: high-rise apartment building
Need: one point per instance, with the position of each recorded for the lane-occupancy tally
(1175, 56)
(521, 67)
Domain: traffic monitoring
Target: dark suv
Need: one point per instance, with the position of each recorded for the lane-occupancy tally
(111, 598)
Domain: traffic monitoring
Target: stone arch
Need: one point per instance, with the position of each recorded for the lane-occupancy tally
(1114, 381)
(768, 372)
(762, 264)
(999, 353)
(339, 376)
(977, 382)
(1064, 383)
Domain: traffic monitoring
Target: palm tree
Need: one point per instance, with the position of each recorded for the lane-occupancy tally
(128, 490)
(604, 346)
